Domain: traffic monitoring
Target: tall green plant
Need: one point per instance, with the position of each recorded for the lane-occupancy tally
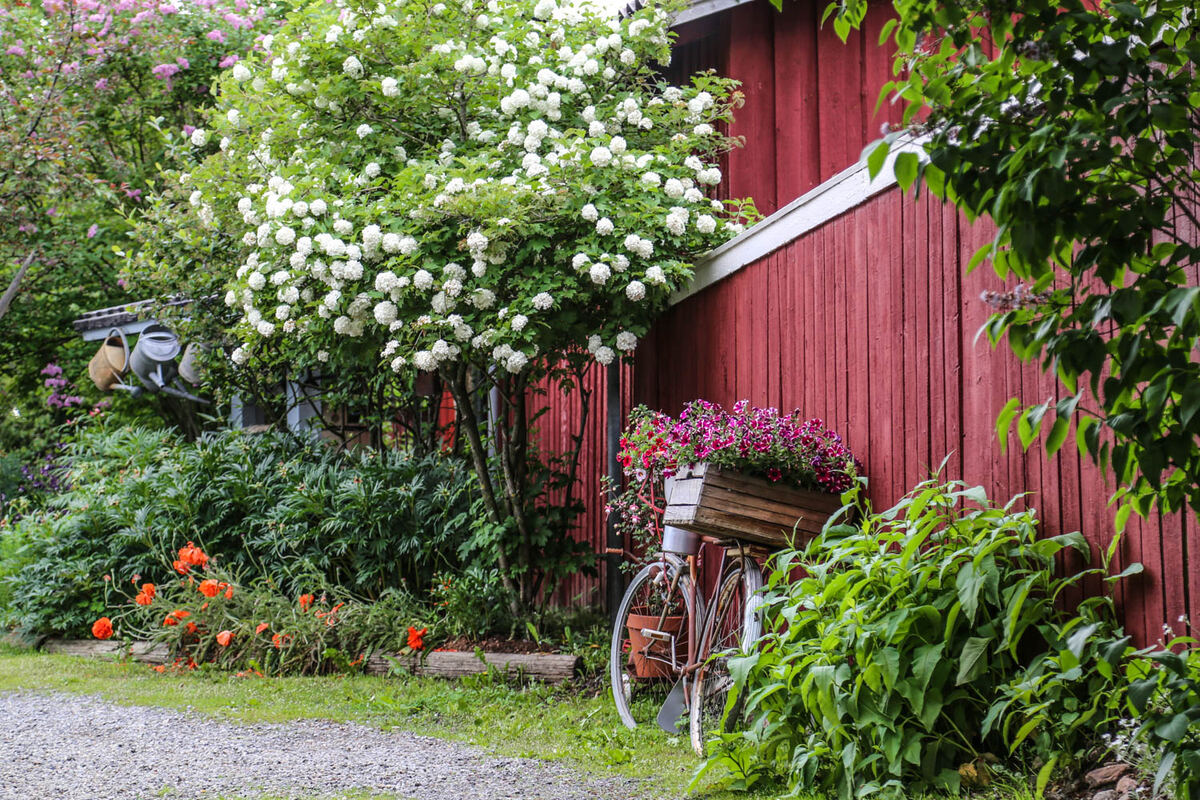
(879, 665)
(272, 508)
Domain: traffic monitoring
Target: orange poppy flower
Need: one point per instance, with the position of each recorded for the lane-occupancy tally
(416, 638)
(228, 592)
(280, 639)
(191, 627)
(169, 621)
(209, 588)
(102, 628)
(306, 601)
(224, 638)
(143, 599)
(193, 555)
(149, 589)
(179, 613)
(161, 668)
(182, 567)
(262, 626)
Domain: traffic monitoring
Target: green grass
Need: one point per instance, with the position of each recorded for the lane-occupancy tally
(577, 728)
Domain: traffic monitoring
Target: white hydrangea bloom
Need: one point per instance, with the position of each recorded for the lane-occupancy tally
(518, 322)
(604, 226)
(542, 301)
(599, 273)
(589, 213)
(199, 137)
(605, 355)
(626, 341)
(706, 223)
(635, 291)
(352, 67)
(390, 87)
(241, 73)
(386, 312)
(363, 131)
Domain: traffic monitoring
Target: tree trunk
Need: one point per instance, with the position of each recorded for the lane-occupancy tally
(14, 285)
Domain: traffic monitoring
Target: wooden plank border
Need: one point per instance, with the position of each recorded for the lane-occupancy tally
(547, 667)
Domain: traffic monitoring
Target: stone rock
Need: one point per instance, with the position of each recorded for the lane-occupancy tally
(1126, 785)
(1107, 794)
(1106, 775)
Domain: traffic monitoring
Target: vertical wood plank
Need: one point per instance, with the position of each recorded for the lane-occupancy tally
(752, 61)
(797, 107)
(840, 90)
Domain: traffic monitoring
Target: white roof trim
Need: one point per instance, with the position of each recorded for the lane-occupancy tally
(849, 188)
(705, 8)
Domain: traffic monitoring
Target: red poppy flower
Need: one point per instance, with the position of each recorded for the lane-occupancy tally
(209, 588)
(149, 589)
(179, 613)
(102, 628)
(143, 599)
(169, 621)
(224, 638)
(182, 567)
(306, 601)
(416, 638)
(262, 626)
(228, 592)
(191, 627)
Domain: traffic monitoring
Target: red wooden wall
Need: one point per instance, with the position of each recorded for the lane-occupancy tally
(869, 322)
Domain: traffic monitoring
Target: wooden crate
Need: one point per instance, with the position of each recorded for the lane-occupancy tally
(720, 502)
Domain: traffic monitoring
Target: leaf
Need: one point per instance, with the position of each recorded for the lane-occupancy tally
(969, 583)
(972, 660)
(1174, 729)
(925, 661)
(1058, 435)
(1043, 776)
(1164, 769)
(875, 155)
(1135, 568)
(1115, 650)
(1078, 640)
(1141, 691)
(905, 169)
(1004, 421)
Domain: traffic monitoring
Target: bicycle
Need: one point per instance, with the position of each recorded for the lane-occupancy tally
(666, 631)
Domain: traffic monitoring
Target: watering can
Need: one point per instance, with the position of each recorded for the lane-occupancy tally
(153, 362)
(111, 361)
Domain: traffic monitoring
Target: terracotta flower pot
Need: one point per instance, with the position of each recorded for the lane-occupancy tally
(651, 657)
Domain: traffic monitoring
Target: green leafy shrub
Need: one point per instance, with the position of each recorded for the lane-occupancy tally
(879, 665)
(1164, 692)
(269, 506)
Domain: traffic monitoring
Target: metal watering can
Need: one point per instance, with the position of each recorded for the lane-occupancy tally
(153, 362)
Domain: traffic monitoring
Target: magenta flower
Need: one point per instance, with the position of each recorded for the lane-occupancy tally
(217, 36)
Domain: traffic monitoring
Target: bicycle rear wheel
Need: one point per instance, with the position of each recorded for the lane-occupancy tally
(649, 639)
(732, 626)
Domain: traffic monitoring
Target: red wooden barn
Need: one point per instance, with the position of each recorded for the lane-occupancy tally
(851, 302)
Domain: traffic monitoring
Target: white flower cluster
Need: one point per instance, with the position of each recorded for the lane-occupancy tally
(518, 202)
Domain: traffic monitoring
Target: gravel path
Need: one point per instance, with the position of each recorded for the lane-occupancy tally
(71, 748)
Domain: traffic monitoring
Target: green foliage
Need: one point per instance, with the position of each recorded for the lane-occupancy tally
(472, 603)
(1164, 692)
(1074, 127)
(879, 669)
(267, 506)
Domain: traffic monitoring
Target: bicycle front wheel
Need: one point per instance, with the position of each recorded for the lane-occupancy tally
(650, 639)
(732, 627)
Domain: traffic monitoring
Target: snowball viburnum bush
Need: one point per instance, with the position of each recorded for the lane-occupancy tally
(503, 185)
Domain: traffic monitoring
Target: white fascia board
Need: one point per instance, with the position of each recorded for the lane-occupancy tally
(848, 189)
(705, 8)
